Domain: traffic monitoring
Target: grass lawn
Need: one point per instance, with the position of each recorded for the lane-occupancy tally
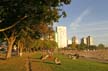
(80, 65)
(13, 64)
(18, 64)
(73, 65)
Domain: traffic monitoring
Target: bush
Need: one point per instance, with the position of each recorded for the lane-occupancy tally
(100, 46)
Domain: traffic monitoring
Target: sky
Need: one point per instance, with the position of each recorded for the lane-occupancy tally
(87, 17)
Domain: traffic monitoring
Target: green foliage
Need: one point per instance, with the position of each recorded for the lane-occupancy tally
(73, 45)
(48, 11)
(82, 46)
(92, 47)
(44, 44)
(50, 44)
(24, 14)
(36, 11)
(101, 46)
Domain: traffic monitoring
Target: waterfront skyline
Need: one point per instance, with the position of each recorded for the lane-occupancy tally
(87, 17)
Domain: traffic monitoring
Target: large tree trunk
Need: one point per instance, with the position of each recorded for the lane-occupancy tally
(9, 51)
(11, 41)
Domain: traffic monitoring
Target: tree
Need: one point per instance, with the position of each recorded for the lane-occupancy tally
(74, 45)
(101, 46)
(42, 29)
(92, 47)
(82, 46)
(22, 14)
(44, 44)
(50, 44)
(47, 11)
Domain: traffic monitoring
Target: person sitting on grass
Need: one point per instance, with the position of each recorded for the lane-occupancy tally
(48, 56)
(57, 61)
(44, 57)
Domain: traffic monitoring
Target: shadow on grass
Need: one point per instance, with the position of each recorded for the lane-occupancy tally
(36, 61)
(1, 58)
(49, 63)
(37, 58)
(46, 61)
(52, 63)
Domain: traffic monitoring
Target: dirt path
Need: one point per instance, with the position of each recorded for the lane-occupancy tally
(28, 64)
(36, 65)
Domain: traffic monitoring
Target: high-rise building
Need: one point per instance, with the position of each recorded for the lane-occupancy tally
(75, 40)
(84, 40)
(89, 40)
(61, 36)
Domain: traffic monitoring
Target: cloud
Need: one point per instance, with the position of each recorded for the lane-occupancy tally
(99, 26)
(75, 24)
(95, 23)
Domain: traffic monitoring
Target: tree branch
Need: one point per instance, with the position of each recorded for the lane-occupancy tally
(6, 36)
(4, 29)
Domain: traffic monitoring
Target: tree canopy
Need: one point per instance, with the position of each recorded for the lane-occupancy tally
(100, 46)
(22, 19)
(24, 14)
(47, 11)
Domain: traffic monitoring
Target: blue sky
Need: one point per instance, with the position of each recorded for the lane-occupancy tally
(87, 17)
